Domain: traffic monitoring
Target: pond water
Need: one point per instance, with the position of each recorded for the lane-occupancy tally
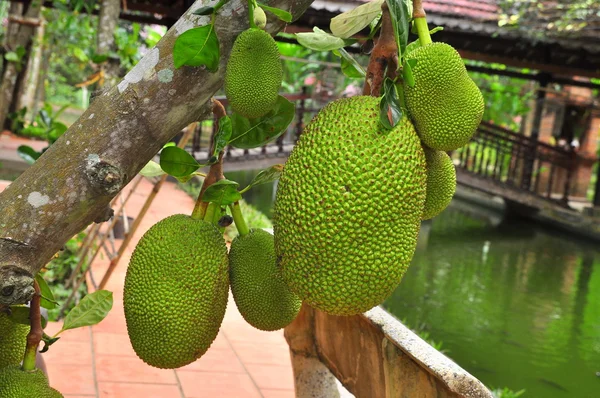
(514, 304)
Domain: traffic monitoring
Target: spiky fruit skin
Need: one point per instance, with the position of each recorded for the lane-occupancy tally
(16, 383)
(261, 295)
(254, 73)
(176, 291)
(348, 207)
(445, 104)
(13, 339)
(441, 182)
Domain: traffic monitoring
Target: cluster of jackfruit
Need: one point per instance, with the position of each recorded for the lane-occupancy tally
(352, 195)
(254, 71)
(177, 286)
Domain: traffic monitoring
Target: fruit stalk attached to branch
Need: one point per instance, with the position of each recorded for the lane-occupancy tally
(216, 170)
(35, 333)
(421, 23)
(384, 56)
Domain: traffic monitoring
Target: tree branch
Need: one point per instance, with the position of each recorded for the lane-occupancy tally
(76, 178)
(384, 56)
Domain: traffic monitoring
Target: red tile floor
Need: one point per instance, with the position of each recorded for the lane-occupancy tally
(99, 362)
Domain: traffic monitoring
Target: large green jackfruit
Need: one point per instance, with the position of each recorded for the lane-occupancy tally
(261, 295)
(445, 104)
(176, 291)
(16, 383)
(441, 182)
(348, 207)
(254, 73)
(13, 339)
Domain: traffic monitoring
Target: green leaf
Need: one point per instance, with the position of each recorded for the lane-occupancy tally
(223, 134)
(48, 301)
(350, 67)
(407, 73)
(253, 133)
(265, 176)
(80, 54)
(152, 169)
(21, 51)
(279, 13)
(389, 107)
(99, 58)
(11, 56)
(400, 15)
(197, 47)
(91, 310)
(28, 154)
(319, 40)
(178, 162)
(222, 193)
(353, 21)
(204, 10)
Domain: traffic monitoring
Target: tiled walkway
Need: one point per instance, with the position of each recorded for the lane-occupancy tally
(99, 361)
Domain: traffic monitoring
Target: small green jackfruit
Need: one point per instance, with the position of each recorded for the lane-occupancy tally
(260, 18)
(254, 73)
(13, 339)
(445, 104)
(261, 295)
(348, 207)
(17, 383)
(176, 291)
(441, 182)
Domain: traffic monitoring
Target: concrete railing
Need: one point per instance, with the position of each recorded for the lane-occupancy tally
(374, 356)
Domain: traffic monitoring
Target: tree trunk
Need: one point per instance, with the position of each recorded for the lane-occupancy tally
(107, 24)
(73, 182)
(32, 72)
(20, 39)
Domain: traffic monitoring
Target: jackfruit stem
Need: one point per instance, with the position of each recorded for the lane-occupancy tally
(209, 215)
(35, 333)
(423, 31)
(384, 56)
(251, 5)
(216, 170)
(238, 218)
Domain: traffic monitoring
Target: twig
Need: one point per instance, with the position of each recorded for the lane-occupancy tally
(384, 56)
(35, 333)
(418, 11)
(216, 170)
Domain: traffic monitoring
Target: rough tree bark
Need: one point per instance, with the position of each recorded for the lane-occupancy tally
(9, 80)
(72, 184)
(107, 24)
(32, 72)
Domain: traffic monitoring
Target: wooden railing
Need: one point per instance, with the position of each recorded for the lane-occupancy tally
(519, 162)
(374, 356)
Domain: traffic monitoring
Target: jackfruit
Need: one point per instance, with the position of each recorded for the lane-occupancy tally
(441, 182)
(176, 291)
(348, 207)
(13, 339)
(261, 295)
(260, 18)
(254, 73)
(17, 383)
(445, 104)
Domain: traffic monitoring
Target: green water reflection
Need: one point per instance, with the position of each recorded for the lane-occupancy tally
(515, 305)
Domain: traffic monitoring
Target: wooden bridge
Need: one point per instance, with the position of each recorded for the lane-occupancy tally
(529, 175)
